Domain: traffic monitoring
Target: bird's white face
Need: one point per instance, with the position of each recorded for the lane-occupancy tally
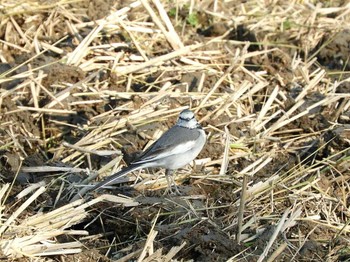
(187, 119)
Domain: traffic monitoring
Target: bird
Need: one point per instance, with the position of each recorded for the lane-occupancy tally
(177, 147)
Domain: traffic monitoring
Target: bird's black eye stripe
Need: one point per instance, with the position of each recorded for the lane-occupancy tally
(185, 118)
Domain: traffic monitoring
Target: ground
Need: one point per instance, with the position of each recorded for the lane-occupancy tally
(86, 85)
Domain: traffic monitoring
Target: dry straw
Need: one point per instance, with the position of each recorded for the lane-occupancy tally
(36, 235)
(257, 100)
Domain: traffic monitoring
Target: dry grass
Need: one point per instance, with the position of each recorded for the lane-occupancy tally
(276, 166)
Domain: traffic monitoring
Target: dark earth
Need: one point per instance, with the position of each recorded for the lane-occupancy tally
(207, 232)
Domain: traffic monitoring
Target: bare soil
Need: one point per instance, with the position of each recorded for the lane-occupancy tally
(205, 215)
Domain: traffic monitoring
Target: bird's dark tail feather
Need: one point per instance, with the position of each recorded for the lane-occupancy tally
(113, 178)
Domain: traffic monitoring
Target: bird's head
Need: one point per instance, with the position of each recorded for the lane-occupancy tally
(187, 119)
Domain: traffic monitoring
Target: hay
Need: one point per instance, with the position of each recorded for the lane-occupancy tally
(36, 235)
(277, 121)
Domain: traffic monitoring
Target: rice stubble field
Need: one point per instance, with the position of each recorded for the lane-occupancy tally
(87, 85)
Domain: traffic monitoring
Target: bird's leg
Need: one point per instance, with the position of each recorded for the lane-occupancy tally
(170, 180)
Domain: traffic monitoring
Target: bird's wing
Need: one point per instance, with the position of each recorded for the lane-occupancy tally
(176, 140)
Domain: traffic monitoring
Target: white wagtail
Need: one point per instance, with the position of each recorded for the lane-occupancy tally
(174, 149)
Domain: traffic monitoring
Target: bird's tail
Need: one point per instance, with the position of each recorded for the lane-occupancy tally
(113, 178)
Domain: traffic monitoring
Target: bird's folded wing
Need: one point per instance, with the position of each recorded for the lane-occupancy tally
(175, 141)
(162, 152)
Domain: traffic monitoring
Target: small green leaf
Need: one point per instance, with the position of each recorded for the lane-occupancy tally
(192, 19)
(172, 12)
(238, 146)
(286, 25)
